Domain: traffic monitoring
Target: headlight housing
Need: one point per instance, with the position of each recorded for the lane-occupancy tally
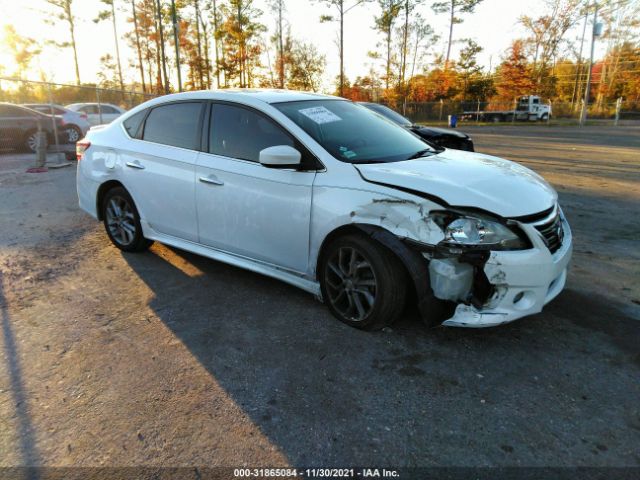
(462, 230)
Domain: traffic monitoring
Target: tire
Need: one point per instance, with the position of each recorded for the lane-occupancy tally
(363, 283)
(122, 221)
(73, 134)
(30, 141)
(544, 117)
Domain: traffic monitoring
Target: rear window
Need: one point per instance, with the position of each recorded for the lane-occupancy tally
(132, 124)
(175, 124)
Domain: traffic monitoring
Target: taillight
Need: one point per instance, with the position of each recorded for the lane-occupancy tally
(81, 147)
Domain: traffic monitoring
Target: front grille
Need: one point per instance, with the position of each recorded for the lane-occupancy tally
(552, 233)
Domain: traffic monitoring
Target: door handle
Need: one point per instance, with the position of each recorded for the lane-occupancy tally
(211, 180)
(135, 165)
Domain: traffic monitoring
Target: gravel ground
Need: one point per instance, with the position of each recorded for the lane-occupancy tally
(166, 358)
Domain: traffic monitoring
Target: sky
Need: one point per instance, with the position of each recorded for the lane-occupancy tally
(493, 25)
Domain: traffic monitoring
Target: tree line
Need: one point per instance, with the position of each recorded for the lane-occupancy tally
(203, 44)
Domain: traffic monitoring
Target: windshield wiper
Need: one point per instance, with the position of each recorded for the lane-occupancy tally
(421, 153)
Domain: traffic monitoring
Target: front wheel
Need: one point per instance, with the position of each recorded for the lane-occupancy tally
(31, 141)
(362, 282)
(122, 221)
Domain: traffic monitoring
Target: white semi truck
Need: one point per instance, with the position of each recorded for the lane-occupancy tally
(528, 108)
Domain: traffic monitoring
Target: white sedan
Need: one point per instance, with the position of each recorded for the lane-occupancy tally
(329, 196)
(97, 113)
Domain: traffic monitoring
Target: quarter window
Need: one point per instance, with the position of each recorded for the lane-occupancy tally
(132, 124)
(107, 109)
(175, 124)
(238, 132)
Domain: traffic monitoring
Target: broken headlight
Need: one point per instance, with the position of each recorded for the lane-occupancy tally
(478, 231)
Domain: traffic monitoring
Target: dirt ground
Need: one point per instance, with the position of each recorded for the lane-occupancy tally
(166, 358)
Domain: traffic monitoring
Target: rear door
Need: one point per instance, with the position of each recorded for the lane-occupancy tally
(160, 167)
(246, 208)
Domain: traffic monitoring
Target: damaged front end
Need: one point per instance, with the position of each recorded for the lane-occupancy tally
(492, 271)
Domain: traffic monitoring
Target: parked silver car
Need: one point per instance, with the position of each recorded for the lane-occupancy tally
(97, 113)
(76, 124)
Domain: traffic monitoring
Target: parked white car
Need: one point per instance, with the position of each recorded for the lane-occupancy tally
(97, 113)
(76, 124)
(328, 196)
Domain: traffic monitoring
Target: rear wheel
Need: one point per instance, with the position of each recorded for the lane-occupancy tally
(362, 282)
(122, 221)
(73, 134)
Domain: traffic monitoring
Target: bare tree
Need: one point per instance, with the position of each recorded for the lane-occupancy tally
(64, 13)
(110, 14)
(454, 8)
(278, 8)
(342, 8)
(389, 12)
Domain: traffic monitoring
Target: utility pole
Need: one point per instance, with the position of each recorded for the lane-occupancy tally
(176, 41)
(341, 6)
(596, 32)
(164, 57)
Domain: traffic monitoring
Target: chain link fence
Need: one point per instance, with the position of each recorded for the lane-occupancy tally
(59, 115)
(47, 119)
(562, 113)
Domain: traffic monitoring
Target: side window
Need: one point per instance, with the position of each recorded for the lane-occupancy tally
(238, 132)
(108, 109)
(175, 124)
(132, 124)
(12, 111)
(536, 100)
(89, 109)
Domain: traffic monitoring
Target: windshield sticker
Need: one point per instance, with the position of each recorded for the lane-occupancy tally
(346, 153)
(320, 115)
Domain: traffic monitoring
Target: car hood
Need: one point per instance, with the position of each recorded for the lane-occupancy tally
(468, 179)
(435, 131)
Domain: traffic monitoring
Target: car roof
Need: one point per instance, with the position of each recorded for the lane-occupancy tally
(239, 94)
(22, 107)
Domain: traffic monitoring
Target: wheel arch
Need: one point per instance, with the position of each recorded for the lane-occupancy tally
(102, 191)
(413, 262)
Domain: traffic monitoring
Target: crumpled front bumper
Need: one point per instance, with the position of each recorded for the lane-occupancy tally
(524, 281)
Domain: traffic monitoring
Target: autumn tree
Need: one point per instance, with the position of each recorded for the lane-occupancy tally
(546, 34)
(240, 35)
(62, 11)
(22, 49)
(514, 75)
(455, 8)
(305, 67)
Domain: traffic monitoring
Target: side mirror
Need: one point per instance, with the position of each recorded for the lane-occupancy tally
(280, 156)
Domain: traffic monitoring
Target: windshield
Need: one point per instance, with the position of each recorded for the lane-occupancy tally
(392, 115)
(353, 133)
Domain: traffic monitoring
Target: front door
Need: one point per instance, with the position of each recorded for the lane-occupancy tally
(244, 207)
